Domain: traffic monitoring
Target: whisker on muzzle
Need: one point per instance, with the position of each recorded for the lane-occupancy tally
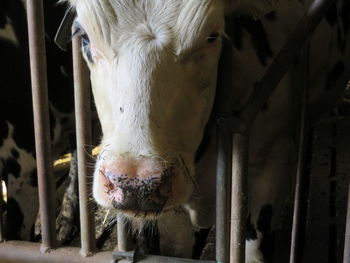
(188, 174)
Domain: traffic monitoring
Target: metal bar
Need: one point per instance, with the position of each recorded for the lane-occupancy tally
(83, 130)
(124, 234)
(223, 109)
(47, 196)
(1, 212)
(347, 232)
(127, 257)
(240, 144)
(26, 252)
(295, 250)
(285, 58)
(29, 253)
(223, 174)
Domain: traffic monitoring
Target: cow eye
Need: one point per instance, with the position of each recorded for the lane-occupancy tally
(213, 37)
(85, 43)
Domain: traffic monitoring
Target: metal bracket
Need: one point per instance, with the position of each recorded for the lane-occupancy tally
(129, 256)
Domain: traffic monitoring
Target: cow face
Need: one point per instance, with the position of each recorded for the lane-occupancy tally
(153, 69)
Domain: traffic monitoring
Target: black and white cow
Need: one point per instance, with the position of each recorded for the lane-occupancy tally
(17, 149)
(154, 66)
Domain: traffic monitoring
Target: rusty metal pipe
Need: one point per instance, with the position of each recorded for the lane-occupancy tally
(26, 252)
(240, 145)
(1, 212)
(347, 232)
(47, 191)
(295, 250)
(82, 99)
(127, 257)
(223, 174)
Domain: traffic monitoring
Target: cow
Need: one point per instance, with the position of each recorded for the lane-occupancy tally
(154, 69)
(17, 145)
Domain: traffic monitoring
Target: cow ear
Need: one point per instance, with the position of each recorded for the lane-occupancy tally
(70, 2)
(253, 8)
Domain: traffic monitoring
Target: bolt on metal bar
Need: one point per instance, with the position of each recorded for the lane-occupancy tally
(124, 234)
(47, 191)
(223, 173)
(346, 258)
(82, 96)
(240, 144)
(295, 250)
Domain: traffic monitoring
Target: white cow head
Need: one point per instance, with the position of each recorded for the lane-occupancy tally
(153, 69)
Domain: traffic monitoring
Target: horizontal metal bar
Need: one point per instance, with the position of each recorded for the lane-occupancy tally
(26, 252)
(153, 259)
(161, 259)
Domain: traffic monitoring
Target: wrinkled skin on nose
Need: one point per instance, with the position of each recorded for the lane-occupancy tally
(139, 194)
(139, 186)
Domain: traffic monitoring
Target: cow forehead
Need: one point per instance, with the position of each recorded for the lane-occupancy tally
(107, 20)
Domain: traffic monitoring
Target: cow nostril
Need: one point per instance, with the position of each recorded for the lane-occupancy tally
(138, 187)
(109, 187)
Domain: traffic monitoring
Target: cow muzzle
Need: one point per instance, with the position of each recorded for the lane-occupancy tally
(144, 186)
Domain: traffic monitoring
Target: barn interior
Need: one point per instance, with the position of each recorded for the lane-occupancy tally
(314, 225)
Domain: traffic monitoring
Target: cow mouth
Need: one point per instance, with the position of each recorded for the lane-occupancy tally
(155, 205)
(150, 214)
(140, 195)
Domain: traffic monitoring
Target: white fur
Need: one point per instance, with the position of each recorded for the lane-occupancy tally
(148, 74)
(253, 254)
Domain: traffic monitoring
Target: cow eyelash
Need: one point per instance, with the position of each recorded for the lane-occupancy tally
(213, 37)
(78, 30)
(85, 41)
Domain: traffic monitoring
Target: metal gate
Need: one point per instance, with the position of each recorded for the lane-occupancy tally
(232, 157)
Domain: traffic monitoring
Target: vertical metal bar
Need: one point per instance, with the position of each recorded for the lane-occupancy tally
(1, 212)
(223, 174)
(239, 197)
(82, 96)
(124, 234)
(347, 233)
(295, 255)
(47, 196)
